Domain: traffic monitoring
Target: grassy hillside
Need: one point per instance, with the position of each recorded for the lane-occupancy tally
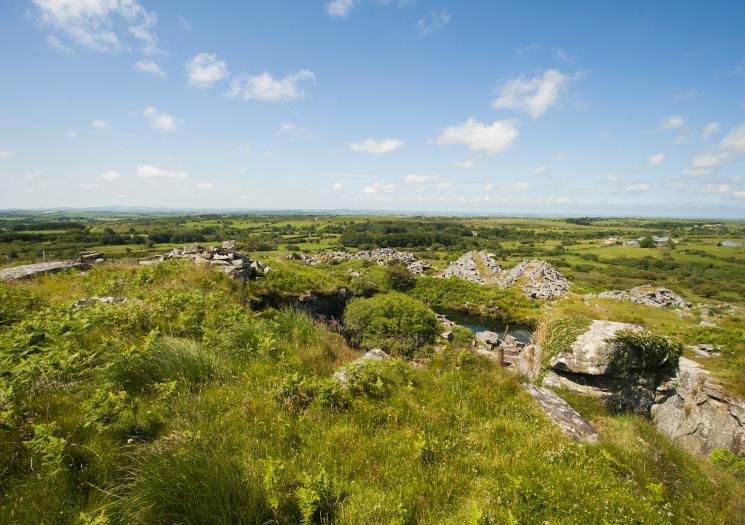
(183, 406)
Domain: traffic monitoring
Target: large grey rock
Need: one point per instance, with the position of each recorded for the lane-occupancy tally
(562, 414)
(538, 279)
(223, 257)
(376, 354)
(694, 410)
(30, 270)
(648, 295)
(592, 354)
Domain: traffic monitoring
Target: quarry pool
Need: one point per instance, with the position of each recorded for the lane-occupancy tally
(477, 324)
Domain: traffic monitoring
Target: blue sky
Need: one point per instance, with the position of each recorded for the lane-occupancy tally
(485, 107)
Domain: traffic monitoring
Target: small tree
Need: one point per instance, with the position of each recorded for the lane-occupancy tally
(399, 278)
(647, 242)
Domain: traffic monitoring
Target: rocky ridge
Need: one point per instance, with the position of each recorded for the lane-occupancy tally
(380, 256)
(224, 257)
(648, 295)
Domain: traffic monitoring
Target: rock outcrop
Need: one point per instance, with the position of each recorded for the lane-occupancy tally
(30, 270)
(381, 256)
(97, 300)
(376, 354)
(607, 370)
(562, 414)
(648, 295)
(224, 258)
(694, 410)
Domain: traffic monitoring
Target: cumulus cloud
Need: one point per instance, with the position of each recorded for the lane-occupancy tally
(464, 164)
(673, 122)
(148, 66)
(57, 44)
(656, 159)
(340, 8)
(158, 120)
(533, 95)
(540, 169)
(101, 25)
(379, 187)
(100, 124)
(4, 154)
(267, 88)
(376, 147)
(716, 188)
(288, 128)
(710, 129)
(638, 187)
(735, 140)
(428, 180)
(337, 186)
(206, 69)
(110, 175)
(71, 134)
(88, 186)
(614, 178)
(148, 171)
(739, 194)
(487, 138)
(436, 19)
(205, 185)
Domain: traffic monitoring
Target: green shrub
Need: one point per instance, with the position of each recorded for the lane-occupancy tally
(558, 338)
(730, 462)
(394, 321)
(399, 278)
(654, 350)
(647, 242)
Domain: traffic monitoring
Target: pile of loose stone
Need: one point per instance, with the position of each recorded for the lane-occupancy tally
(97, 300)
(466, 267)
(224, 257)
(381, 256)
(648, 295)
(540, 280)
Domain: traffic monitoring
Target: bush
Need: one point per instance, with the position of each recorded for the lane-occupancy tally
(655, 350)
(730, 462)
(394, 322)
(399, 278)
(647, 242)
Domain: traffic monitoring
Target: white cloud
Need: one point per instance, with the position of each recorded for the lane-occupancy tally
(464, 164)
(88, 186)
(4, 154)
(490, 139)
(377, 147)
(266, 87)
(418, 179)
(614, 178)
(206, 69)
(159, 120)
(709, 130)
(71, 134)
(561, 156)
(337, 186)
(489, 187)
(737, 178)
(674, 122)
(564, 56)
(716, 188)
(520, 186)
(540, 169)
(379, 187)
(656, 159)
(57, 44)
(739, 194)
(638, 187)
(148, 171)
(205, 185)
(100, 124)
(101, 25)
(288, 128)
(110, 175)
(148, 66)
(532, 95)
(340, 8)
(436, 20)
(735, 140)
(681, 139)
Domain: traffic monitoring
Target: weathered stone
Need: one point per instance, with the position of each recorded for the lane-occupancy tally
(488, 338)
(648, 295)
(694, 410)
(447, 335)
(592, 354)
(562, 414)
(538, 279)
(381, 256)
(97, 300)
(30, 270)
(228, 245)
(342, 376)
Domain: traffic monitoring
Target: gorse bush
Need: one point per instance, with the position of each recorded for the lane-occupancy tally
(652, 350)
(731, 462)
(394, 322)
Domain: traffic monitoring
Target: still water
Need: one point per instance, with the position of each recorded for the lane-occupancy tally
(478, 324)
